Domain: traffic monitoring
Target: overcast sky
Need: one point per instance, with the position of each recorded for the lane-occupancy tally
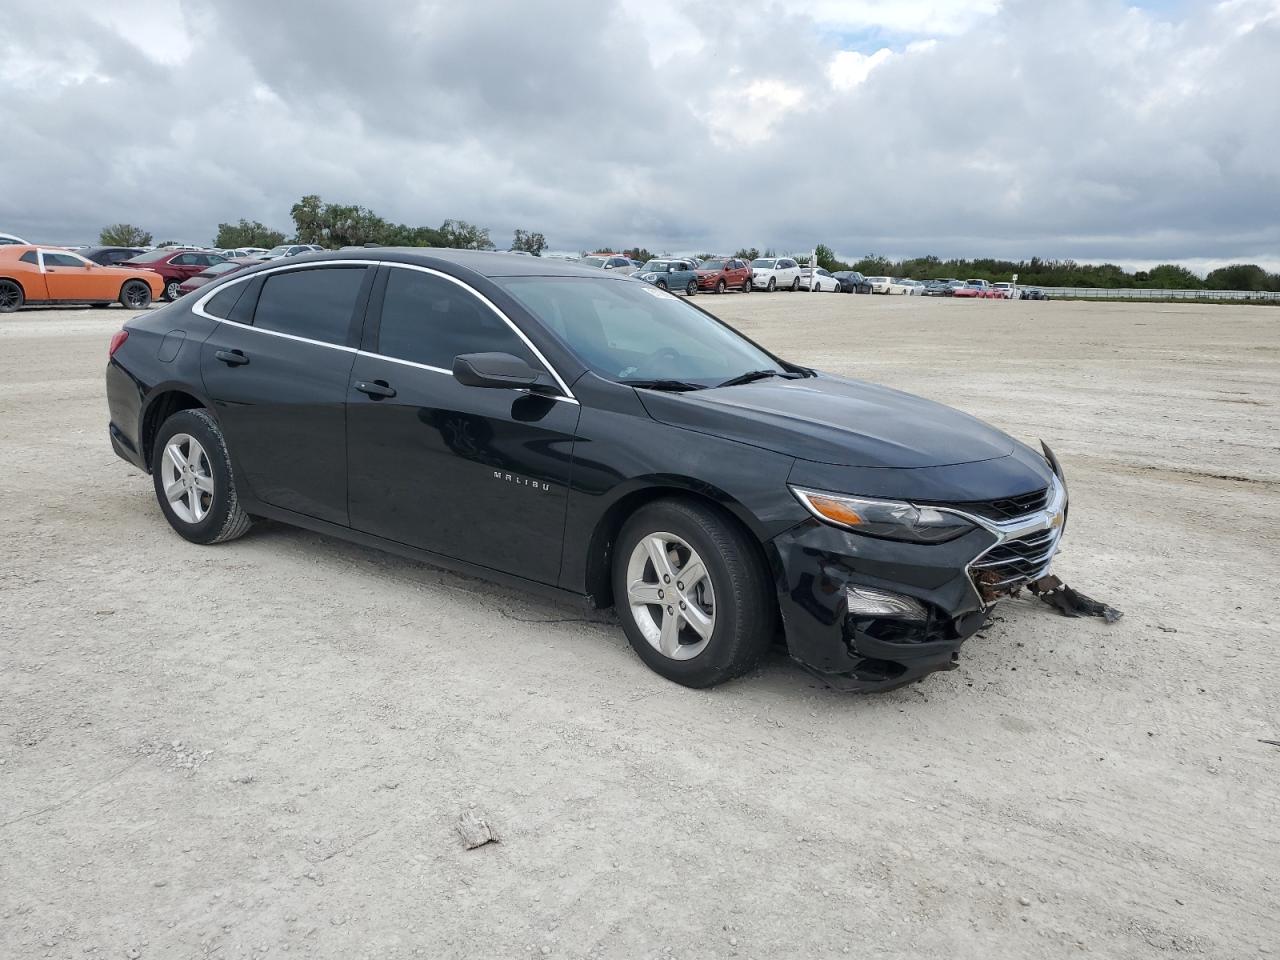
(1091, 129)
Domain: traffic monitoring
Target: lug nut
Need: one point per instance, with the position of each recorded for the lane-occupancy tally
(669, 610)
(661, 594)
(665, 578)
(679, 584)
(681, 604)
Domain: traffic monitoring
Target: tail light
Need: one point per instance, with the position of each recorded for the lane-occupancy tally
(117, 341)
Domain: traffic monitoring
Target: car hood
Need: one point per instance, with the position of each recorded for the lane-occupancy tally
(828, 419)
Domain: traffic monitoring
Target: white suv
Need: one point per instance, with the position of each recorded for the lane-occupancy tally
(775, 273)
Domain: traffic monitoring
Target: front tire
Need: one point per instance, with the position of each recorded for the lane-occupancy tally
(661, 285)
(135, 295)
(171, 291)
(692, 593)
(720, 285)
(194, 481)
(11, 297)
(691, 288)
(773, 285)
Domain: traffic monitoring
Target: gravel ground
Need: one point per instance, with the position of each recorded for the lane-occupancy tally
(264, 747)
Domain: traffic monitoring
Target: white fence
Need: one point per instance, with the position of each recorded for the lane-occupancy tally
(1134, 293)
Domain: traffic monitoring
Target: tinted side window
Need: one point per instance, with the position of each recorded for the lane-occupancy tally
(223, 302)
(62, 260)
(316, 304)
(430, 320)
(28, 257)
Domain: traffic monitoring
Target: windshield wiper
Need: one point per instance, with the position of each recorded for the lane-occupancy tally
(673, 385)
(751, 376)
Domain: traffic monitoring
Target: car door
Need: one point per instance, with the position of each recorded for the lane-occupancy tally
(70, 277)
(477, 474)
(277, 369)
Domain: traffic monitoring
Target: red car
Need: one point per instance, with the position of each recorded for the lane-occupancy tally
(175, 266)
(724, 274)
(979, 289)
(212, 273)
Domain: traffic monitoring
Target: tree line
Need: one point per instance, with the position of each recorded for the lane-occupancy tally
(335, 225)
(1058, 273)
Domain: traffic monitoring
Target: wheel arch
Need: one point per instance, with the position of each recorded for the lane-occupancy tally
(15, 280)
(604, 536)
(163, 402)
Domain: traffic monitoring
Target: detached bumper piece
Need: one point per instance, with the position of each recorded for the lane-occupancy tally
(1070, 603)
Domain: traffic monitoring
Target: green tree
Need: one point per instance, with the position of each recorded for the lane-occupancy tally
(1170, 276)
(1238, 276)
(827, 258)
(247, 233)
(638, 253)
(533, 243)
(123, 235)
(748, 254)
(465, 236)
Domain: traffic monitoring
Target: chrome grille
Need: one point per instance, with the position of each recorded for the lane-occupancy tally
(1011, 563)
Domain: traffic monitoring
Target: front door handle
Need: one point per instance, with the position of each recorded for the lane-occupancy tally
(376, 388)
(232, 358)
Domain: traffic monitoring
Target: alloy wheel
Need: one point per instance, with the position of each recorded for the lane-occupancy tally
(671, 597)
(135, 295)
(188, 478)
(171, 290)
(10, 296)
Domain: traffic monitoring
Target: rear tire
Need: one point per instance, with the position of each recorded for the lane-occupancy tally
(747, 285)
(730, 599)
(11, 297)
(135, 295)
(795, 285)
(199, 499)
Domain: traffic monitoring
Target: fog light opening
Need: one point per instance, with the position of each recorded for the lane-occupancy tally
(870, 602)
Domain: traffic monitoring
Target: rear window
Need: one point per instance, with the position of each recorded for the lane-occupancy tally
(316, 304)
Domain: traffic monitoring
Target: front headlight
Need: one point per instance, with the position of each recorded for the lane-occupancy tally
(890, 519)
(649, 276)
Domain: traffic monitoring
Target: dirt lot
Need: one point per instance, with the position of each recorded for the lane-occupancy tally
(263, 747)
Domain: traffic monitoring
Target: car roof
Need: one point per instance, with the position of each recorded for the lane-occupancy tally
(486, 263)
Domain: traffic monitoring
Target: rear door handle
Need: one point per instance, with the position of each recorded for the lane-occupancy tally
(376, 389)
(232, 358)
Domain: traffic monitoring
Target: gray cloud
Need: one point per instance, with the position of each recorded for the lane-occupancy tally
(1081, 128)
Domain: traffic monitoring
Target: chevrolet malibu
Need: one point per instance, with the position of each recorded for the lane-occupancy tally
(588, 435)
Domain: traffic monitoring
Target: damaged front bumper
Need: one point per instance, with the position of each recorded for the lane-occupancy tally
(869, 614)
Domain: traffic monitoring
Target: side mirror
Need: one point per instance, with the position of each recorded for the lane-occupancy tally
(501, 370)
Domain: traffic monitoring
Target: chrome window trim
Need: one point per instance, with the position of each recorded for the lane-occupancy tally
(564, 387)
(198, 309)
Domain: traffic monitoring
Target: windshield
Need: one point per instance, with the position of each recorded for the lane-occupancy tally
(763, 264)
(225, 267)
(280, 250)
(592, 261)
(656, 266)
(712, 265)
(633, 331)
(878, 279)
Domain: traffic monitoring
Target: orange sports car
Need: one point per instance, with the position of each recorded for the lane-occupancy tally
(31, 274)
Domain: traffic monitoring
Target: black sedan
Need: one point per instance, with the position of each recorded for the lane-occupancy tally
(851, 281)
(110, 256)
(592, 436)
